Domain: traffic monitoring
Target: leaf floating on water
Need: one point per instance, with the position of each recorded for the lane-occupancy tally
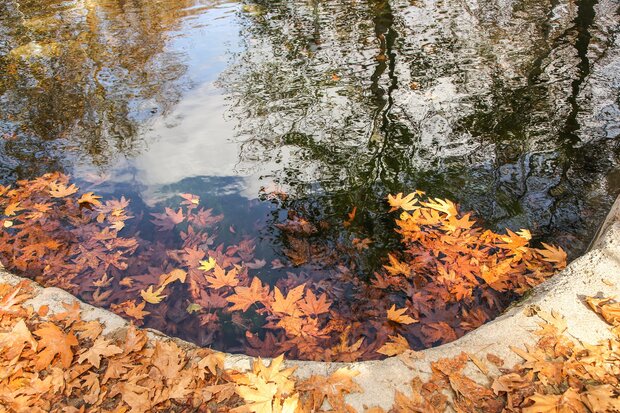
(207, 265)
(408, 203)
(555, 255)
(172, 276)
(399, 316)
(60, 190)
(244, 297)
(221, 278)
(152, 297)
(89, 198)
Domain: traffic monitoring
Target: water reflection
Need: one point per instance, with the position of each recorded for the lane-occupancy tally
(89, 73)
(335, 102)
(476, 105)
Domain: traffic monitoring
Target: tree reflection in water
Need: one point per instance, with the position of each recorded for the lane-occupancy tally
(337, 103)
(351, 102)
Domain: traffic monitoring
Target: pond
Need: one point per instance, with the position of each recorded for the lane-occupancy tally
(286, 113)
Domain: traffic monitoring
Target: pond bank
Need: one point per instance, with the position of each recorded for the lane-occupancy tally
(597, 273)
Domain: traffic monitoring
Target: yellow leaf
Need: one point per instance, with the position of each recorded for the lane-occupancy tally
(445, 206)
(397, 345)
(556, 256)
(398, 316)
(152, 297)
(406, 204)
(172, 276)
(207, 265)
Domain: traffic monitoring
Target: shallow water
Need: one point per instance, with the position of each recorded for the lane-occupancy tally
(334, 103)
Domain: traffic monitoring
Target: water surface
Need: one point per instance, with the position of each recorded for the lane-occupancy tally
(334, 103)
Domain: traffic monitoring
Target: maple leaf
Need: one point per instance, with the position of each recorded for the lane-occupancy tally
(333, 388)
(408, 203)
(313, 306)
(88, 330)
(397, 345)
(172, 276)
(72, 315)
(212, 362)
(12, 208)
(608, 308)
(100, 348)
(152, 297)
(89, 198)
(398, 316)
(524, 233)
(15, 340)
(168, 358)
(438, 332)
(543, 403)
(244, 297)
(258, 397)
(263, 388)
(419, 401)
(361, 244)
(190, 199)
(11, 299)
(351, 217)
(60, 190)
(508, 383)
(207, 265)
(396, 267)
(275, 373)
(556, 256)
(445, 206)
(453, 223)
(288, 305)
(220, 278)
(53, 341)
(601, 398)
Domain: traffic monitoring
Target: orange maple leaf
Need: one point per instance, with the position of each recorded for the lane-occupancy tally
(244, 297)
(220, 278)
(100, 348)
(288, 305)
(408, 203)
(54, 342)
(89, 198)
(396, 267)
(135, 311)
(397, 345)
(311, 305)
(152, 297)
(554, 255)
(399, 316)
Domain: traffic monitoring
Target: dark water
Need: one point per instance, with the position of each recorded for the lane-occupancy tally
(509, 108)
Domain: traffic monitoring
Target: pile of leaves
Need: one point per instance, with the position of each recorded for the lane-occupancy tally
(60, 362)
(449, 277)
(557, 375)
(63, 363)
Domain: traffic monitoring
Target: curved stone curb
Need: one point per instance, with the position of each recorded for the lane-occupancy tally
(595, 273)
